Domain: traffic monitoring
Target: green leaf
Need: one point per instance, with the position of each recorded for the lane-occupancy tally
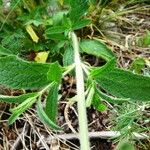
(54, 73)
(58, 17)
(121, 83)
(137, 65)
(58, 36)
(34, 22)
(97, 48)
(68, 57)
(17, 73)
(101, 107)
(125, 145)
(146, 39)
(90, 96)
(52, 102)
(16, 99)
(81, 23)
(13, 41)
(56, 47)
(97, 103)
(44, 118)
(78, 9)
(55, 30)
(17, 111)
(111, 99)
(4, 51)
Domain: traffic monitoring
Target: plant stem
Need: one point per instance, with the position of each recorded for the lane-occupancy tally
(83, 126)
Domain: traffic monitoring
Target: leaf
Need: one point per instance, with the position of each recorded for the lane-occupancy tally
(78, 9)
(55, 36)
(125, 145)
(111, 99)
(54, 73)
(121, 83)
(32, 33)
(98, 104)
(68, 57)
(58, 17)
(28, 44)
(81, 23)
(4, 51)
(90, 96)
(52, 102)
(137, 65)
(41, 57)
(96, 48)
(44, 118)
(55, 30)
(16, 99)
(19, 74)
(146, 39)
(35, 22)
(17, 111)
(56, 47)
(13, 41)
(101, 107)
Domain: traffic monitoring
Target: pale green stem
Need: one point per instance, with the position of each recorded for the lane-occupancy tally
(69, 68)
(83, 126)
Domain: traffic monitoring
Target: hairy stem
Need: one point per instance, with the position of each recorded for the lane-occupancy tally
(83, 126)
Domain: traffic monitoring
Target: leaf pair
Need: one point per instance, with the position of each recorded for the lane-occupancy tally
(17, 73)
(69, 21)
(120, 83)
(47, 116)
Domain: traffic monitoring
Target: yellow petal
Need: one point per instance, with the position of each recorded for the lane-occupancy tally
(31, 32)
(41, 57)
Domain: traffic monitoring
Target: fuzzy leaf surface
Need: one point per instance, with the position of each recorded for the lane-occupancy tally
(16, 99)
(96, 48)
(4, 51)
(44, 118)
(121, 83)
(68, 57)
(81, 23)
(125, 145)
(78, 9)
(55, 30)
(97, 103)
(17, 111)
(17, 73)
(52, 102)
(54, 73)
